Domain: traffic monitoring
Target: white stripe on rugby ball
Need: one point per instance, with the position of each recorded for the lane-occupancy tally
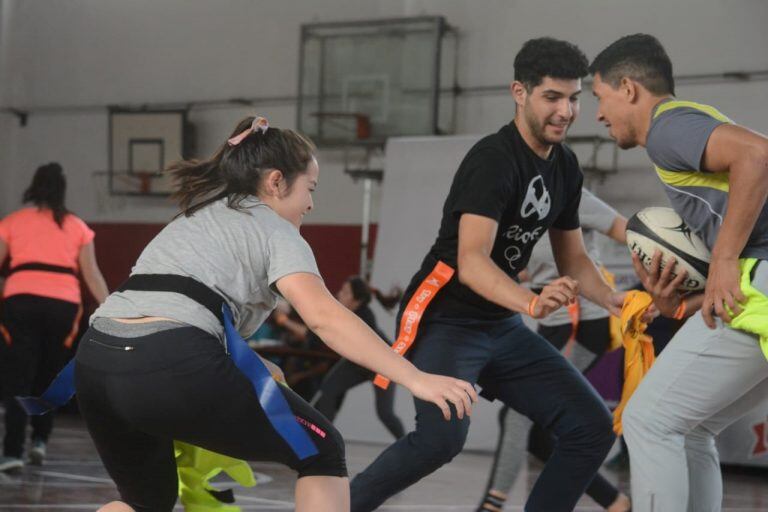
(662, 229)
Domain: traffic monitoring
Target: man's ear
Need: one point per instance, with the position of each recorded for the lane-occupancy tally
(519, 92)
(630, 89)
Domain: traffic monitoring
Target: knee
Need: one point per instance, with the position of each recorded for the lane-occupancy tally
(116, 506)
(631, 420)
(595, 435)
(601, 432)
(637, 422)
(330, 459)
(438, 449)
(159, 502)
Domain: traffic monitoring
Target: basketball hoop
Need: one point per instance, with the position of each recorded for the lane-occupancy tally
(362, 127)
(145, 181)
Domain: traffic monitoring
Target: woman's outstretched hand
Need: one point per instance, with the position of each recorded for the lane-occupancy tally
(441, 390)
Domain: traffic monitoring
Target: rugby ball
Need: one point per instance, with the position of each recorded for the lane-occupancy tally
(662, 229)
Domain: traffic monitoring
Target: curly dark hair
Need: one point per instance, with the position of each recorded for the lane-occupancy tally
(546, 56)
(640, 57)
(48, 189)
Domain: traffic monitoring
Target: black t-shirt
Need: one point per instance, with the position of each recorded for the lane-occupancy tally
(503, 179)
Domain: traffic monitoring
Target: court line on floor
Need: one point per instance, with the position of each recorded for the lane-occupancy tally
(71, 476)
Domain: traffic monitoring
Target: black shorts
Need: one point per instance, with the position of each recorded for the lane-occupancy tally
(179, 384)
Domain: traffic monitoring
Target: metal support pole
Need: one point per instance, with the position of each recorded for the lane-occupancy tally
(365, 237)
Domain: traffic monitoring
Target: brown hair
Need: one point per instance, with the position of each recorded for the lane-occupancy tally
(236, 171)
(363, 292)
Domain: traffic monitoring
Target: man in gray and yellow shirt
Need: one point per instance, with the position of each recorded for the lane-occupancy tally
(715, 174)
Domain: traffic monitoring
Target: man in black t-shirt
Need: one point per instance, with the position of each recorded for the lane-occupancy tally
(511, 188)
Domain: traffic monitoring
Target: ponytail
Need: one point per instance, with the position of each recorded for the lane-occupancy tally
(236, 169)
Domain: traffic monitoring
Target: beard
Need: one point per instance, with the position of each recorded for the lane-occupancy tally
(538, 129)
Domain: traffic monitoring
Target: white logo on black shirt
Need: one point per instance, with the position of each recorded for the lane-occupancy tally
(536, 199)
(512, 254)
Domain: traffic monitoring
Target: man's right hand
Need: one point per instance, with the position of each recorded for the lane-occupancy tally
(554, 295)
(662, 284)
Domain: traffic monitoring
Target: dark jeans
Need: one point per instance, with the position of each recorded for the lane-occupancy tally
(595, 336)
(523, 370)
(30, 359)
(344, 376)
(138, 395)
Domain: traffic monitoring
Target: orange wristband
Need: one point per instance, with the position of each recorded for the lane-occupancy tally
(680, 311)
(532, 306)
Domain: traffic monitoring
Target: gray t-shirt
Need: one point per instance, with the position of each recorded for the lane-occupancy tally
(596, 217)
(238, 254)
(676, 142)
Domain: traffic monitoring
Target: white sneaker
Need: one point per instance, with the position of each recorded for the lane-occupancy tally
(10, 463)
(37, 453)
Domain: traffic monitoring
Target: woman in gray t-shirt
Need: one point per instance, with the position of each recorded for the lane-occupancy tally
(152, 368)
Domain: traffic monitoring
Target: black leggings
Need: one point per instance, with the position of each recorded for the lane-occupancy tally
(140, 394)
(37, 329)
(344, 376)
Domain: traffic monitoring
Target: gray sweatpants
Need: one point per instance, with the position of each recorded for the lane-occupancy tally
(703, 381)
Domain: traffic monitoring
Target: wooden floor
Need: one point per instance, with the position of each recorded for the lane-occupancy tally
(73, 479)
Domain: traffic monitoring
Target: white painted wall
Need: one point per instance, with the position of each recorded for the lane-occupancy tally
(99, 52)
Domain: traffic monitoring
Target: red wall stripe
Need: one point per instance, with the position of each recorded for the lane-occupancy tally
(336, 248)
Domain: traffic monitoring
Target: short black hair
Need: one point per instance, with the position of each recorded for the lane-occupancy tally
(550, 57)
(640, 57)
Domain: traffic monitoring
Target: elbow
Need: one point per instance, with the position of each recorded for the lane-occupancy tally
(319, 317)
(464, 269)
(762, 158)
(314, 322)
(757, 158)
(91, 276)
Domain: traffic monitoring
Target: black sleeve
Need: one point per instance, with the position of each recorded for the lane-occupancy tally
(574, 179)
(484, 184)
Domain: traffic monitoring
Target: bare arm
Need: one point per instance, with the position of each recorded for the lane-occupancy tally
(297, 329)
(347, 334)
(572, 259)
(618, 229)
(3, 255)
(744, 154)
(91, 273)
(477, 270)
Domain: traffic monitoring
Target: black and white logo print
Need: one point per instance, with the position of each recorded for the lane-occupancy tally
(536, 199)
(512, 254)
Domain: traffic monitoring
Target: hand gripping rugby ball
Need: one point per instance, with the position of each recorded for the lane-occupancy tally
(662, 229)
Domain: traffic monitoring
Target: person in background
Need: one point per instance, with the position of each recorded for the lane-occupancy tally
(356, 295)
(48, 247)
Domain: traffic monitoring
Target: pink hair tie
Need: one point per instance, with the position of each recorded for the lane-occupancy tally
(259, 124)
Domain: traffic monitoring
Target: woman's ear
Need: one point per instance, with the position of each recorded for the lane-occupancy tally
(274, 183)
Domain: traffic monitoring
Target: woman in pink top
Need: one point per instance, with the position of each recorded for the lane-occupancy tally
(48, 246)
